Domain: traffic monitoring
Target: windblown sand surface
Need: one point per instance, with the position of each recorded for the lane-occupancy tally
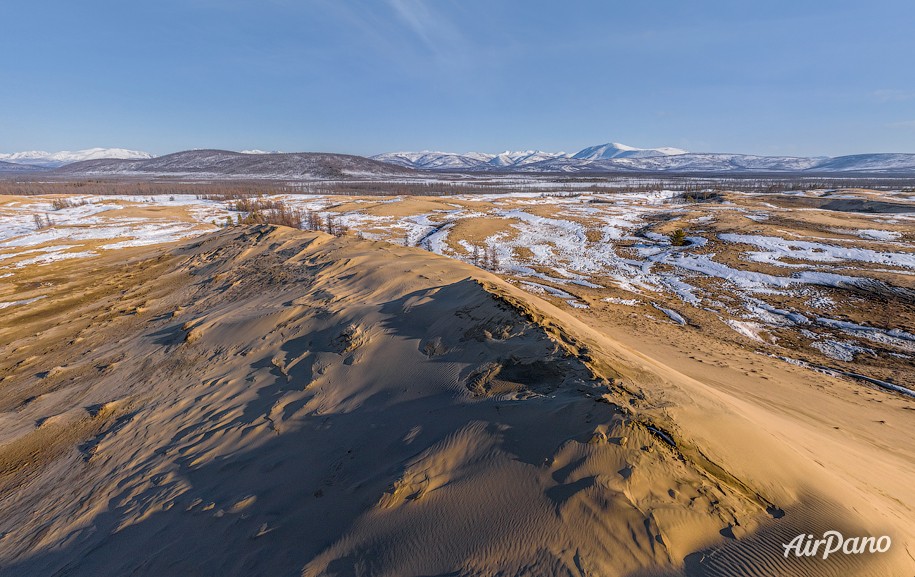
(268, 401)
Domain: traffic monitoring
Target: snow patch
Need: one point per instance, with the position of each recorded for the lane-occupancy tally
(748, 329)
(4, 305)
(671, 314)
(620, 301)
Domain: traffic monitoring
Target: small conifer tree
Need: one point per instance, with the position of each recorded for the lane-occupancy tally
(678, 237)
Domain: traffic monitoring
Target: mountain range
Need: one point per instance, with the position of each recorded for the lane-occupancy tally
(430, 160)
(604, 158)
(616, 157)
(55, 159)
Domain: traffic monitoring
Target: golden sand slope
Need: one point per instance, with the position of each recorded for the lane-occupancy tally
(267, 401)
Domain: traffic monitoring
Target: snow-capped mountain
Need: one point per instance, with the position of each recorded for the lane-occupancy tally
(433, 160)
(55, 159)
(603, 158)
(686, 162)
(617, 150)
(523, 158)
(509, 160)
(616, 157)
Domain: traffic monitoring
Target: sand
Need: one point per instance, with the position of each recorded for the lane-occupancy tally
(813, 285)
(267, 401)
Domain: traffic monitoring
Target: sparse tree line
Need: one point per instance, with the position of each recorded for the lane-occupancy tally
(254, 204)
(44, 221)
(221, 191)
(702, 195)
(486, 258)
(65, 202)
(445, 185)
(267, 211)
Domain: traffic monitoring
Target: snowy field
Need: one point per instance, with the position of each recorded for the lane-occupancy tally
(836, 286)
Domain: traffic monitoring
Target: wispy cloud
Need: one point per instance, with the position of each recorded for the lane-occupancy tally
(418, 17)
(405, 31)
(893, 95)
(433, 29)
(903, 124)
(368, 24)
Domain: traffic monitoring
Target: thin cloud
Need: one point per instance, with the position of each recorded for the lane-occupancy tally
(893, 95)
(404, 31)
(435, 31)
(903, 124)
(368, 25)
(418, 17)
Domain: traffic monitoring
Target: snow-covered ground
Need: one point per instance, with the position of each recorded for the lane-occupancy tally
(762, 282)
(99, 218)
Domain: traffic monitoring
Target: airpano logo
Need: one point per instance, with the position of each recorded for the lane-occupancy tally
(834, 542)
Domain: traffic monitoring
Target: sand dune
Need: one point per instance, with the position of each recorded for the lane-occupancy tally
(268, 401)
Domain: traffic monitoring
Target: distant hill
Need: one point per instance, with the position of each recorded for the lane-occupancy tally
(886, 162)
(14, 168)
(227, 164)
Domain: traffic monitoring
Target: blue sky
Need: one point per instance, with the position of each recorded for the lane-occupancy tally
(364, 77)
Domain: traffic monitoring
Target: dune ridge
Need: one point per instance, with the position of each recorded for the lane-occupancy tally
(263, 399)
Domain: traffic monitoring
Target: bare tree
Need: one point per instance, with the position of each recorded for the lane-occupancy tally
(42, 222)
(313, 220)
(492, 258)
